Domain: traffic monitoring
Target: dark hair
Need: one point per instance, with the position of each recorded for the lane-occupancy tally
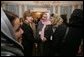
(26, 13)
(64, 17)
(76, 18)
(11, 16)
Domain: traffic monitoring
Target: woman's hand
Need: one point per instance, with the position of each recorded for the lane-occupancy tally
(44, 39)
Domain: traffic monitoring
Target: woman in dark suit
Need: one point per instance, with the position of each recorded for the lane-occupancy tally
(28, 36)
(69, 47)
(59, 29)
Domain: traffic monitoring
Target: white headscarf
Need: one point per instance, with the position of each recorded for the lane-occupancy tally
(7, 28)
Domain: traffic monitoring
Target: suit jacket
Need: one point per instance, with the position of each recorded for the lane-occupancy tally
(28, 33)
(28, 39)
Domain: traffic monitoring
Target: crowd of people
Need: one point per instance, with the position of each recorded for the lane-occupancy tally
(44, 37)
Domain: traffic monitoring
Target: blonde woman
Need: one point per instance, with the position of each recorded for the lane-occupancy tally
(56, 20)
(58, 29)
